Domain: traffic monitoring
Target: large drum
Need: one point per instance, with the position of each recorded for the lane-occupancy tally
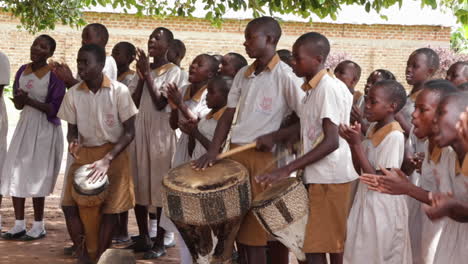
(89, 197)
(207, 207)
(283, 211)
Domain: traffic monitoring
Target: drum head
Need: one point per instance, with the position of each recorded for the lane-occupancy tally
(84, 186)
(224, 174)
(276, 191)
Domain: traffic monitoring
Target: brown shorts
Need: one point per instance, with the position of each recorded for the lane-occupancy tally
(120, 196)
(251, 233)
(328, 213)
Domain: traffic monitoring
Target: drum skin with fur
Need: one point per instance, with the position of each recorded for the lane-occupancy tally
(207, 207)
(283, 211)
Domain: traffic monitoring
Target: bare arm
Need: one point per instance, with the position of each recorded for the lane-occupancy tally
(158, 99)
(174, 119)
(136, 95)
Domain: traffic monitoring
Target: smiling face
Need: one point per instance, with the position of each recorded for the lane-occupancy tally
(377, 104)
(457, 74)
(447, 116)
(40, 50)
(417, 69)
(200, 70)
(88, 66)
(158, 43)
(424, 113)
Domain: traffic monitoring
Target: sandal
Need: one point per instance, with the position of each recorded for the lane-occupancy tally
(10, 236)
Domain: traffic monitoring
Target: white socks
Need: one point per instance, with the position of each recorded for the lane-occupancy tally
(153, 227)
(19, 226)
(37, 229)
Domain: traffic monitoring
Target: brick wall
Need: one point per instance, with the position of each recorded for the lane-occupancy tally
(371, 46)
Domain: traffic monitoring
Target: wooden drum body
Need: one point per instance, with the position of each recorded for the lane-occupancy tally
(283, 211)
(207, 207)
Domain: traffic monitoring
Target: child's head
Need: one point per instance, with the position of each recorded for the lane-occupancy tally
(203, 68)
(447, 116)
(218, 90)
(261, 35)
(158, 42)
(348, 72)
(91, 60)
(421, 66)
(458, 73)
(95, 33)
(376, 76)
(310, 51)
(385, 98)
(232, 63)
(42, 48)
(426, 105)
(176, 52)
(124, 53)
(285, 55)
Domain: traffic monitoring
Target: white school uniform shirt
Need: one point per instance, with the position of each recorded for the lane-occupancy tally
(453, 243)
(99, 116)
(126, 77)
(326, 97)
(206, 127)
(378, 223)
(263, 99)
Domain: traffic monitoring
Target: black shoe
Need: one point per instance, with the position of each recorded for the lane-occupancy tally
(155, 253)
(10, 236)
(69, 251)
(141, 245)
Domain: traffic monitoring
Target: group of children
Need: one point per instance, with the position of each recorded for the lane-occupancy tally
(409, 149)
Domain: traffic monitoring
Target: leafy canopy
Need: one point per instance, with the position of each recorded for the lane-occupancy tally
(38, 15)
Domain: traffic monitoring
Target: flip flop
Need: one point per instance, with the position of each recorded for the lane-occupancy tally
(10, 236)
(30, 238)
(154, 253)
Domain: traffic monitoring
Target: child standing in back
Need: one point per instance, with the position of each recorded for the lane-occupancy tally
(349, 72)
(124, 54)
(34, 157)
(458, 73)
(231, 64)
(382, 148)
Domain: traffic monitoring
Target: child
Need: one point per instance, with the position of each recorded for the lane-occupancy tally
(458, 73)
(232, 63)
(216, 99)
(285, 56)
(4, 80)
(263, 94)
(100, 115)
(421, 66)
(349, 72)
(38, 139)
(176, 52)
(327, 160)
(383, 148)
(124, 54)
(424, 233)
(154, 140)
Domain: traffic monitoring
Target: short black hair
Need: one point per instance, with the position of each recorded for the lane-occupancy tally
(463, 87)
(460, 100)
(239, 60)
(222, 83)
(284, 54)
(51, 41)
(101, 30)
(168, 33)
(432, 57)
(357, 68)
(395, 91)
(98, 52)
(129, 48)
(386, 74)
(214, 63)
(320, 42)
(464, 64)
(268, 25)
(440, 86)
(179, 47)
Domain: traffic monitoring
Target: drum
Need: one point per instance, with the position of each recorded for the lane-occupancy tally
(89, 198)
(283, 211)
(207, 207)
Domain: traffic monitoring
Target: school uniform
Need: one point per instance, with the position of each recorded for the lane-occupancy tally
(207, 127)
(262, 101)
(408, 109)
(453, 246)
(329, 179)
(126, 77)
(197, 105)
(378, 223)
(37, 139)
(4, 80)
(99, 117)
(154, 143)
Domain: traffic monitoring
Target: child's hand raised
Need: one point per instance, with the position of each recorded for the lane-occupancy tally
(142, 64)
(417, 160)
(441, 205)
(356, 115)
(189, 127)
(62, 71)
(352, 134)
(173, 94)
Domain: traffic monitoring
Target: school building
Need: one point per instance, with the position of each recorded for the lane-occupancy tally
(372, 45)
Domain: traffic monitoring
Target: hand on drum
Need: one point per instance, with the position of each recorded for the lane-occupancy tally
(205, 161)
(441, 205)
(392, 182)
(100, 169)
(274, 176)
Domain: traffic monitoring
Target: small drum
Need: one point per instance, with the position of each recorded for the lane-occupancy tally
(89, 198)
(283, 211)
(207, 207)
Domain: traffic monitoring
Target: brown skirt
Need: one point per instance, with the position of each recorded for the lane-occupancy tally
(120, 195)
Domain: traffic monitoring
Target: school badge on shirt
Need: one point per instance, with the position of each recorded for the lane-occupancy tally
(29, 85)
(265, 105)
(109, 120)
